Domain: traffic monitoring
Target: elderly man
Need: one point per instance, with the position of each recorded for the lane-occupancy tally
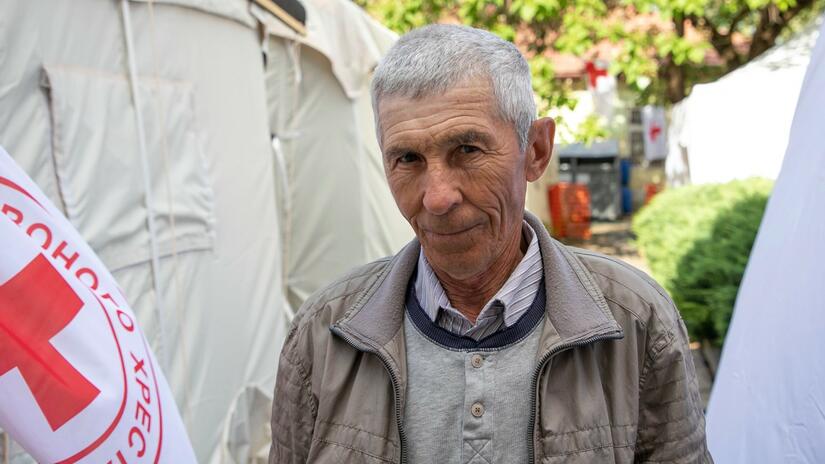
(483, 340)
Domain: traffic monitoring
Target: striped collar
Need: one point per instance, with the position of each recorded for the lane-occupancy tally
(503, 310)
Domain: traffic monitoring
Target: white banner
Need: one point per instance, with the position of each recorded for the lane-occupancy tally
(655, 129)
(78, 381)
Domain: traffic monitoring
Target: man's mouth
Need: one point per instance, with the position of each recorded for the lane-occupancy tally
(450, 232)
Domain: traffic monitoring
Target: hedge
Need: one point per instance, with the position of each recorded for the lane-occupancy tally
(696, 241)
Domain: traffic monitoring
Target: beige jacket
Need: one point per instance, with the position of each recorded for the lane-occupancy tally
(614, 381)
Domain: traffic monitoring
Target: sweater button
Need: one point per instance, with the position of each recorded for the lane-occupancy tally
(476, 360)
(477, 410)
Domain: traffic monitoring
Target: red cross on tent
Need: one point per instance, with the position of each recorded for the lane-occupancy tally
(35, 305)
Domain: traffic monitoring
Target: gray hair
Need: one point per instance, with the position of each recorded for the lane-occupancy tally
(432, 59)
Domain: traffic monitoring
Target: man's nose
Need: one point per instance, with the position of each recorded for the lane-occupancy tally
(441, 193)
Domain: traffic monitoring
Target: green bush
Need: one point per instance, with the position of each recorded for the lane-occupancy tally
(697, 241)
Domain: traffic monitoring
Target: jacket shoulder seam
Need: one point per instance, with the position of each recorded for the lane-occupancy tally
(650, 304)
(623, 285)
(623, 306)
(632, 269)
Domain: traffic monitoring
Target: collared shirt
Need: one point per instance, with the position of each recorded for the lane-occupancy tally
(503, 310)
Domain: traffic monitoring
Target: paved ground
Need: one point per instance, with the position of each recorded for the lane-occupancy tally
(614, 239)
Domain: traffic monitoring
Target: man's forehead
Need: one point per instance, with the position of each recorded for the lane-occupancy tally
(465, 110)
(479, 91)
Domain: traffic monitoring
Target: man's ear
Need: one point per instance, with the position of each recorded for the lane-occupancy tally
(542, 134)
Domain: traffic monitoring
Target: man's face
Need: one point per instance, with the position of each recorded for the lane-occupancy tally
(457, 175)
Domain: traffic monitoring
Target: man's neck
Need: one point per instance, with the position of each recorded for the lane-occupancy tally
(470, 295)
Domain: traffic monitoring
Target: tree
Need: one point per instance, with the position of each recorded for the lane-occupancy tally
(664, 46)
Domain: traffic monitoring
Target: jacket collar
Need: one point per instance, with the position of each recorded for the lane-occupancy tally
(575, 309)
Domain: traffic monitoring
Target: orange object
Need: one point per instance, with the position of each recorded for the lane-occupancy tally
(650, 191)
(570, 210)
(579, 230)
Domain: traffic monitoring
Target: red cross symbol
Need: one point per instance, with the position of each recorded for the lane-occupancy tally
(35, 305)
(655, 130)
(594, 73)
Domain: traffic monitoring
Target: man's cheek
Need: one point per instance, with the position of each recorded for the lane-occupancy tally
(406, 206)
(397, 190)
(405, 195)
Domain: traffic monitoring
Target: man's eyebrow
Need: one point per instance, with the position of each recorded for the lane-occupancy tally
(466, 137)
(396, 151)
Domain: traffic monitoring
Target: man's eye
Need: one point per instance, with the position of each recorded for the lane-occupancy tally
(467, 149)
(408, 157)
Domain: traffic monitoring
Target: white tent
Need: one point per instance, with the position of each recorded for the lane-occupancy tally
(737, 127)
(206, 271)
(768, 400)
(321, 117)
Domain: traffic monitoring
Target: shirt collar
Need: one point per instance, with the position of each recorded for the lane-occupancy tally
(515, 295)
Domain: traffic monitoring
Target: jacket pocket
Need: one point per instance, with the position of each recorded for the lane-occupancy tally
(602, 444)
(337, 443)
(98, 161)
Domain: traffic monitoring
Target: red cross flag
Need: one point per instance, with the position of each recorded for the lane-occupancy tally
(602, 86)
(654, 125)
(78, 381)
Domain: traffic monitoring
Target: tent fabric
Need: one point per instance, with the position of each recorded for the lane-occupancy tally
(232, 9)
(347, 37)
(247, 435)
(241, 220)
(768, 400)
(118, 234)
(67, 116)
(323, 124)
(676, 163)
(737, 127)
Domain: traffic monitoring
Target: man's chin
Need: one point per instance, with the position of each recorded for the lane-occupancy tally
(458, 265)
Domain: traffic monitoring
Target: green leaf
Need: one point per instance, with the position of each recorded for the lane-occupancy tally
(696, 55)
(528, 11)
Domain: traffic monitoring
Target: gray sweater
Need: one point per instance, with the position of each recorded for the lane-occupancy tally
(469, 402)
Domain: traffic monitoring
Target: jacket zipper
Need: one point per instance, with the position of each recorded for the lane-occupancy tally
(542, 362)
(395, 385)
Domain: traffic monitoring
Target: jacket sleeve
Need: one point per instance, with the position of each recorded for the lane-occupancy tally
(671, 420)
(293, 409)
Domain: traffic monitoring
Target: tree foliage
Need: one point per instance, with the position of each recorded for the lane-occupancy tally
(658, 59)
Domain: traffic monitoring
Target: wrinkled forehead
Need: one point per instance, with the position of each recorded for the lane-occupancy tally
(469, 102)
